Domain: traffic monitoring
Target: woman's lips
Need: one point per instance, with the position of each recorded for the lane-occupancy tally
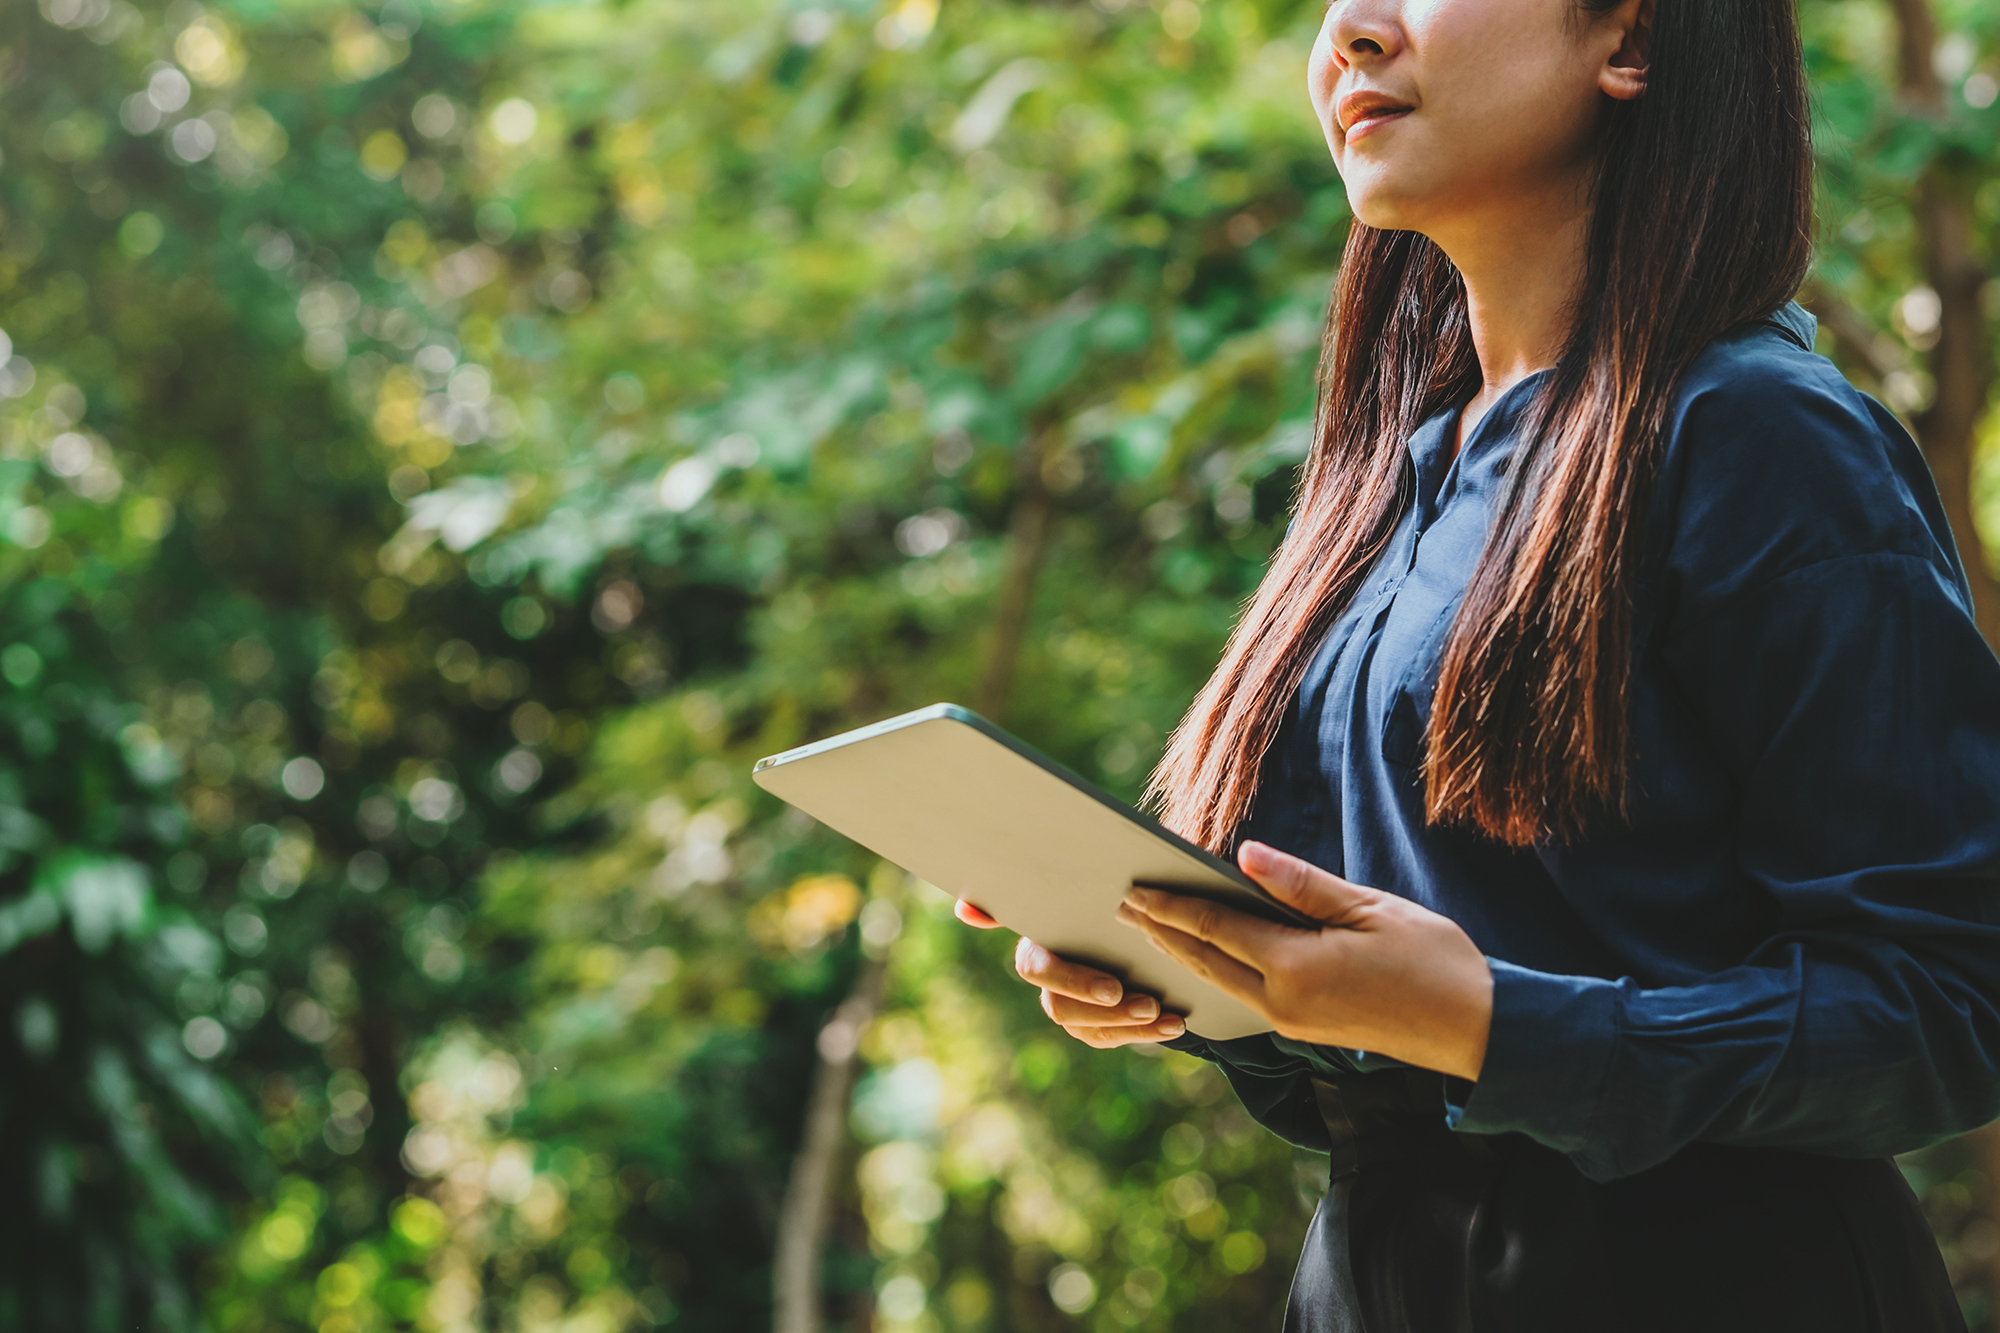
(1363, 108)
(1374, 120)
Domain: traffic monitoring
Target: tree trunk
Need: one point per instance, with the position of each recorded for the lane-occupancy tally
(1027, 544)
(804, 1216)
(1961, 363)
(807, 1212)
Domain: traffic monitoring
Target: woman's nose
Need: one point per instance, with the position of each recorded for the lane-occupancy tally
(1364, 31)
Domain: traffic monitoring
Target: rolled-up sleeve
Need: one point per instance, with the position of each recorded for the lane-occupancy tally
(1855, 706)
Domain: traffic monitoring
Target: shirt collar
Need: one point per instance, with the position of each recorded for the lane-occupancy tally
(1795, 322)
(1492, 439)
(1485, 452)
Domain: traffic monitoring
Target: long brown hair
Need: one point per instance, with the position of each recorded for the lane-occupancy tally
(1702, 222)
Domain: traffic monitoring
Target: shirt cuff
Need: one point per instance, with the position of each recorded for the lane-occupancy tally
(1189, 1044)
(1548, 1058)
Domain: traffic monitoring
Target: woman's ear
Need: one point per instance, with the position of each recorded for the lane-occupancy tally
(1623, 76)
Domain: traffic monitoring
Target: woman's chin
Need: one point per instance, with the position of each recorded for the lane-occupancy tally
(1382, 200)
(1381, 209)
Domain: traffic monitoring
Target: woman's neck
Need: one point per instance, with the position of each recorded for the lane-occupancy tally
(1522, 272)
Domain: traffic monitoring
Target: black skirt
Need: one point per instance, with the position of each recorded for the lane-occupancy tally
(1424, 1230)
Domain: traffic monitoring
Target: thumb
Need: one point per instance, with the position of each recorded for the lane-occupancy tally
(973, 916)
(1302, 885)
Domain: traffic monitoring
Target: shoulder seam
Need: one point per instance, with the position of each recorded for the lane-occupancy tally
(1771, 581)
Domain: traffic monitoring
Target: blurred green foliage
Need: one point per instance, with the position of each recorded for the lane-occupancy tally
(443, 444)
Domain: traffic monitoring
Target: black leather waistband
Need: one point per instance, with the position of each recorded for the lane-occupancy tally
(1373, 1120)
(1427, 1229)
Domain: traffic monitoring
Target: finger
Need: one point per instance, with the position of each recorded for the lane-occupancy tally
(1247, 938)
(1039, 966)
(1165, 1029)
(972, 916)
(1302, 885)
(1136, 1010)
(1206, 961)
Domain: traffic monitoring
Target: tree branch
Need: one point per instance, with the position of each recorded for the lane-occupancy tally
(1852, 333)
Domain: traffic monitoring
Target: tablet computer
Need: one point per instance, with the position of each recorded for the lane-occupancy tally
(958, 802)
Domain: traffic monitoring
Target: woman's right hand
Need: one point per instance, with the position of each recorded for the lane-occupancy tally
(1089, 1005)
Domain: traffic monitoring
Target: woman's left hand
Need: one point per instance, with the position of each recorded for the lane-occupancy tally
(1382, 974)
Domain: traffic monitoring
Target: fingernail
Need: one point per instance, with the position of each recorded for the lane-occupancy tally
(1138, 897)
(1106, 993)
(1145, 1006)
(1173, 1027)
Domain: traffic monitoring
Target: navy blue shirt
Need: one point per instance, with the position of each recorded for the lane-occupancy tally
(1796, 940)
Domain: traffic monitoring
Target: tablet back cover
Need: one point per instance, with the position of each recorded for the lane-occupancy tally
(955, 801)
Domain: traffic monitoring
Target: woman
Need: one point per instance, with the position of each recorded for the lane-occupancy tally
(1614, 698)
